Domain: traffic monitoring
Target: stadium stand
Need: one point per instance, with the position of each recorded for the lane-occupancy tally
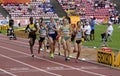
(1, 16)
(44, 8)
(75, 7)
(36, 9)
(13, 1)
(96, 8)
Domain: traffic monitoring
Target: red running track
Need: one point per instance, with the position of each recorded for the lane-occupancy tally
(16, 60)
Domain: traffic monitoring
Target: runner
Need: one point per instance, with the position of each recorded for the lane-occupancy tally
(58, 38)
(10, 30)
(52, 36)
(32, 29)
(43, 34)
(73, 27)
(66, 35)
(78, 40)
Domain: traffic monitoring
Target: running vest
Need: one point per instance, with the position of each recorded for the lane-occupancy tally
(79, 33)
(65, 30)
(31, 27)
(50, 30)
(42, 31)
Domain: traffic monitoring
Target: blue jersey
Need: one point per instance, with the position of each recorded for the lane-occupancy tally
(92, 24)
(50, 26)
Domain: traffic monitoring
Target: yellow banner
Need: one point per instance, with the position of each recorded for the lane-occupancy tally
(74, 19)
(105, 57)
(5, 27)
(117, 61)
(108, 58)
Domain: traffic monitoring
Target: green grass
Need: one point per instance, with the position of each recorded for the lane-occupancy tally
(114, 44)
(3, 31)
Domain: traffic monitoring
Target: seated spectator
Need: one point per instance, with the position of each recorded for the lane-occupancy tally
(87, 30)
(108, 32)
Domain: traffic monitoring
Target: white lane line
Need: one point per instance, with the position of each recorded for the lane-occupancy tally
(22, 42)
(7, 72)
(29, 65)
(89, 72)
(17, 41)
(5, 36)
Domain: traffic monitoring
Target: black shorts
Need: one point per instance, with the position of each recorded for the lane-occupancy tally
(78, 41)
(42, 39)
(32, 36)
(92, 31)
(72, 37)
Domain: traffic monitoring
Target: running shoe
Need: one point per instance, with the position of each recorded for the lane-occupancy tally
(76, 60)
(59, 53)
(51, 55)
(67, 59)
(32, 55)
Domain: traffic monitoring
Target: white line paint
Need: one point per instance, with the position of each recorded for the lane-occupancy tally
(22, 42)
(24, 71)
(19, 69)
(7, 37)
(17, 41)
(29, 65)
(7, 72)
(89, 72)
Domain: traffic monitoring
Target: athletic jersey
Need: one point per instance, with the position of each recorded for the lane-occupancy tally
(79, 34)
(32, 27)
(50, 30)
(110, 29)
(65, 30)
(10, 30)
(58, 27)
(42, 31)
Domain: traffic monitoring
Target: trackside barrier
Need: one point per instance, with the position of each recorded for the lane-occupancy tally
(117, 61)
(104, 57)
(4, 27)
(108, 58)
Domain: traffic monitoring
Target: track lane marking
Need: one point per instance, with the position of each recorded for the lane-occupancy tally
(22, 42)
(29, 65)
(89, 72)
(7, 72)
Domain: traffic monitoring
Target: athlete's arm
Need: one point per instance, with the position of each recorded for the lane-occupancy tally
(35, 28)
(26, 28)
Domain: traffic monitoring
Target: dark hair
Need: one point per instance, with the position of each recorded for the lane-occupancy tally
(11, 22)
(31, 20)
(41, 19)
(94, 18)
(31, 17)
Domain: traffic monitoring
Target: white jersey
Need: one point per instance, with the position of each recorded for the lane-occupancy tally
(43, 31)
(87, 29)
(110, 30)
(79, 34)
